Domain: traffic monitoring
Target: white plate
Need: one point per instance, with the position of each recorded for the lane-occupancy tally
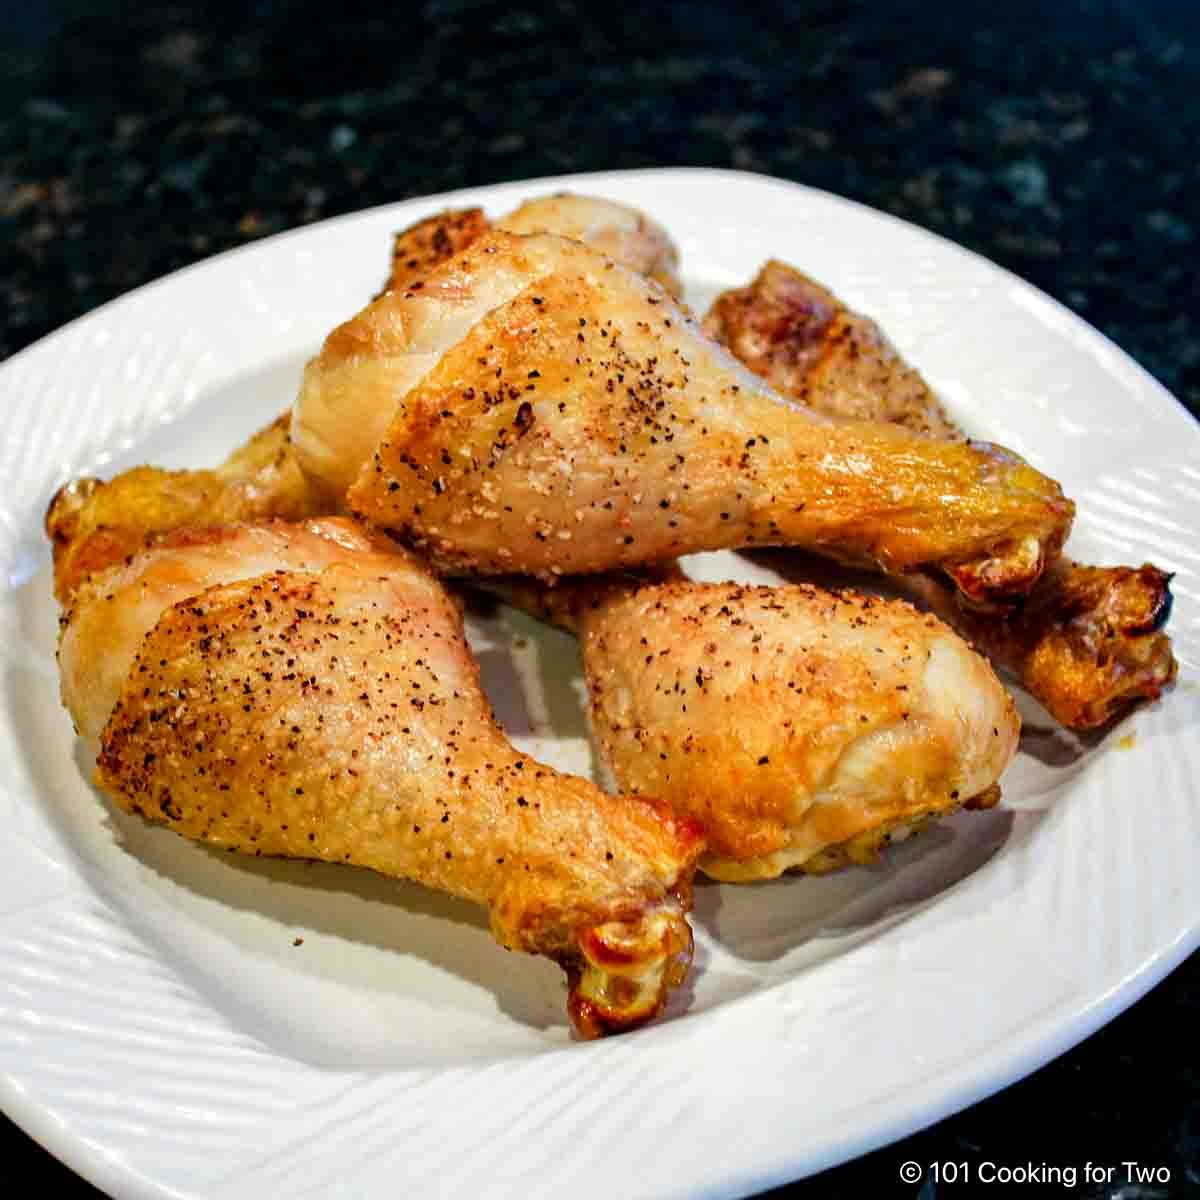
(161, 1032)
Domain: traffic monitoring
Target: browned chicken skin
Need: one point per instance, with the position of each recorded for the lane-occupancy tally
(93, 524)
(803, 729)
(304, 691)
(1088, 642)
(623, 233)
(807, 345)
(419, 248)
(554, 413)
(343, 420)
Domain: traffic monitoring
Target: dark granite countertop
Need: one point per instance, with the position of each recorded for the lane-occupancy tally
(1059, 140)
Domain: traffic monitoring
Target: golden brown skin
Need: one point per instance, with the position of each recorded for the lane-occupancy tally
(419, 248)
(581, 422)
(370, 363)
(1088, 641)
(623, 233)
(810, 347)
(313, 696)
(92, 524)
(804, 729)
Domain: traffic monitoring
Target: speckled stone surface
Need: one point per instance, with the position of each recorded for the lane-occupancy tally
(1059, 139)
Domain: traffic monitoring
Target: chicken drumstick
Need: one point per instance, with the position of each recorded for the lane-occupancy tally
(551, 412)
(300, 690)
(804, 729)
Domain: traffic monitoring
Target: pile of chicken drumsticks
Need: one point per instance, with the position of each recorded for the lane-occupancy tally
(266, 656)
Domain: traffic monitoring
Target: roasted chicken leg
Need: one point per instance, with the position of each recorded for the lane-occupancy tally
(300, 690)
(1088, 642)
(551, 412)
(803, 729)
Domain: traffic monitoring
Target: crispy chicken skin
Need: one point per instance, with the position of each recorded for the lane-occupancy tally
(807, 345)
(92, 524)
(573, 419)
(419, 248)
(367, 365)
(1088, 642)
(371, 362)
(304, 691)
(804, 729)
(623, 233)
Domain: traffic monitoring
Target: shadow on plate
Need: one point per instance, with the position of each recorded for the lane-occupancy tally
(790, 923)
